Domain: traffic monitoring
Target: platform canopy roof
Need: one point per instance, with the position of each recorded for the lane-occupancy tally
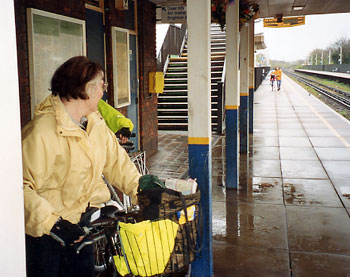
(273, 8)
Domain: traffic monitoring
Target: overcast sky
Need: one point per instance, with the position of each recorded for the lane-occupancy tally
(319, 31)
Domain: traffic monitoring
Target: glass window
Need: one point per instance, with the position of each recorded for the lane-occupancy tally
(52, 39)
(121, 72)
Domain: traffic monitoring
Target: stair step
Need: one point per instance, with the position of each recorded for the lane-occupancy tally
(176, 117)
(175, 79)
(183, 75)
(166, 103)
(173, 103)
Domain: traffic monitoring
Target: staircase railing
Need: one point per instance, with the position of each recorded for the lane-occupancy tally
(221, 102)
(172, 45)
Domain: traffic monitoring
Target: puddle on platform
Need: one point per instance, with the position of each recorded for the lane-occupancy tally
(345, 191)
(260, 188)
(291, 196)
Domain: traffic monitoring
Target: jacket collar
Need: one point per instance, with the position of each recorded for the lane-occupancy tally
(65, 124)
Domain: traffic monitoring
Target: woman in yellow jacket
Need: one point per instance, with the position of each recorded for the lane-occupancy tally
(116, 121)
(66, 148)
(278, 74)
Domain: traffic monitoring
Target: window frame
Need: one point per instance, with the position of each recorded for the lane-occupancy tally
(117, 103)
(33, 74)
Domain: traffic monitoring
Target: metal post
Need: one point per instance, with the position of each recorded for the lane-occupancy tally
(251, 76)
(244, 80)
(220, 108)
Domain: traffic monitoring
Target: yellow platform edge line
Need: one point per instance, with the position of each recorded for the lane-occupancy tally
(195, 140)
(231, 107)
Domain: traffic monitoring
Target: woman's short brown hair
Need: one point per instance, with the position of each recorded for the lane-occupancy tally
(70, 79)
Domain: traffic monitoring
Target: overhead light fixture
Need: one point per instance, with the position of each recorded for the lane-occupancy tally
(298, 8)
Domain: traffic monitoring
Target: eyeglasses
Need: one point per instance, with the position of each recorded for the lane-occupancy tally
(105, 86)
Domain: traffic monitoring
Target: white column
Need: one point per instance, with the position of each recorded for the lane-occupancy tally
(199, 82)
(232, 55)
(232, 93)
(199, 122)
(12, 249)
(244, 60)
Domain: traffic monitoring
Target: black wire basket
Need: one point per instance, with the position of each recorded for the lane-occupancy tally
(166, 241)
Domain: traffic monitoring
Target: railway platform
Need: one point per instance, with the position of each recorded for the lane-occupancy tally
(290, 214)
(326, 73)
(336, 76)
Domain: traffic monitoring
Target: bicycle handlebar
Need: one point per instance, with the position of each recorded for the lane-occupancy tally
(108, 221)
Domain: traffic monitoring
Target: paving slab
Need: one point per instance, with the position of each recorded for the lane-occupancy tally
(232, 260)
(308, 192)
(303, 169)
(314, 264)
(297, 153)
(318, 229)
(250, 225)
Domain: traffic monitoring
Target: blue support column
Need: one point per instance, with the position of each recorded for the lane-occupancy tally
(251, 111)
(200, 168)
(243, 124)
(231, 147)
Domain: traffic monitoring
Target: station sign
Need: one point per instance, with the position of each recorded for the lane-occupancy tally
(286, 22)
(174, 14)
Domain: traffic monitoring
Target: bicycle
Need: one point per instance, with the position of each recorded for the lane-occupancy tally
(139, 160)
(138, 157)
(101, 228)
(272, 80)
(160, 246)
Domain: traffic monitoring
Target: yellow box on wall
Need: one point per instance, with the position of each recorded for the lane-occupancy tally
(156, 82)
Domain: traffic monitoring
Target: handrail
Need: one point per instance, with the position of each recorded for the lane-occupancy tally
(184, 39)
(172, 44)
(223, 75)
(221, 101)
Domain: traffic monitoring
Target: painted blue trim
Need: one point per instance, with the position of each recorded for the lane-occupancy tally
(251, 109)
(243, 125)
(199, 157)
(231, 148)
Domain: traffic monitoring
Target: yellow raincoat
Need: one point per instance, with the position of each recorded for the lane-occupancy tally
(278, 73)
(62, 166)
(114, 119)
(147, 245)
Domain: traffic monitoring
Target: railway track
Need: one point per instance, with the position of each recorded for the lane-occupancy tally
(343, 100)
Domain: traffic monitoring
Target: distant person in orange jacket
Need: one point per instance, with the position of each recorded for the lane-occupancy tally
(278, 74)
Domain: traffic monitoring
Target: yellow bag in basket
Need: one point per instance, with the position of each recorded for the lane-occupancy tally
(147, 246)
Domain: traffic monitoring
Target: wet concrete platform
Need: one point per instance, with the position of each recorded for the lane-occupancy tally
(290, 213)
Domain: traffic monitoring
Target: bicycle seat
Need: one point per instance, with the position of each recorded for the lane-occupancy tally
(85, 218)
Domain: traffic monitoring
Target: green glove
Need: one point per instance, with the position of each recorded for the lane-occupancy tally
(150, 182)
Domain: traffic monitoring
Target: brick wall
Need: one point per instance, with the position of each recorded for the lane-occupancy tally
(74, 8)
(146, 54)
(146, 19)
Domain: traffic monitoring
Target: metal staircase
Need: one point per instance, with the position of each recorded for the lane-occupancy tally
(172, 104)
